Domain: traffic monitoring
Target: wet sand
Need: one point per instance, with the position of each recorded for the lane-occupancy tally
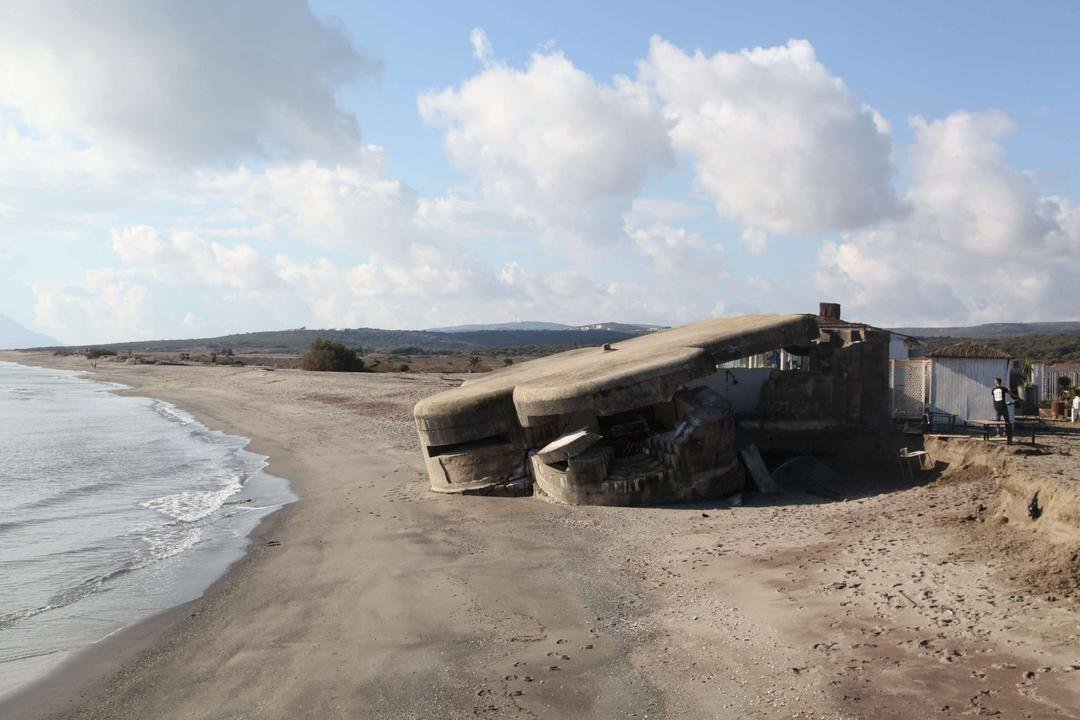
(373, 598)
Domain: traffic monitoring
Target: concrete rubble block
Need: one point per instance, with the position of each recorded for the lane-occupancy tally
(758, 472)
(563, 448)
(591, 466)
(475, 469)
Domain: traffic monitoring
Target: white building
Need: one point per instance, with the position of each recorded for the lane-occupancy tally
(903, 347)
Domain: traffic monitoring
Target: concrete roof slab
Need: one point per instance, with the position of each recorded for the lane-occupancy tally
(636, 372)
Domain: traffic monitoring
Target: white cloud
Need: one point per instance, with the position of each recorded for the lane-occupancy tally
(30, 160)
(184, 283)
(345, 206)
(185, 258)
(962, 180)
(978, 242)
(550, 147)
(646, 210)
(755, 240)
(183, 278)
(107, 307)
(779, 142)
(467, 217)
(220, 173)
(678, 252)
(181, 81)
(577, 297)
(482, 49)
(221, 119)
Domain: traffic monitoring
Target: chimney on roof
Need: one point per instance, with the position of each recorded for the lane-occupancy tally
(829, 311)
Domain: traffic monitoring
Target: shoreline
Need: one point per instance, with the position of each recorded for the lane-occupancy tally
(190, 660)
(88, 669)
(61, 692)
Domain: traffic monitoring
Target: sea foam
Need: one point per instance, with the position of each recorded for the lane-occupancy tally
(115, 507)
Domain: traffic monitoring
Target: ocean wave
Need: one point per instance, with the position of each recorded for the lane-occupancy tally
(158, 548)
(143, 508)
(23, 394)
(72, 493)
(12, 525)
(173, 413)
(63, 598)
(192, 506)
(28, 655)
(165, 546)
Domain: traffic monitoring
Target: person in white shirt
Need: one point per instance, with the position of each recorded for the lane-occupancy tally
(1076, 408)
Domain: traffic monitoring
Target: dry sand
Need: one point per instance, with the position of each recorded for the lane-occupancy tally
(373, 598)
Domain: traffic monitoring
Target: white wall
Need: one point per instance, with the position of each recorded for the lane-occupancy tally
(743, 394)
(961, 386)
(898, 349)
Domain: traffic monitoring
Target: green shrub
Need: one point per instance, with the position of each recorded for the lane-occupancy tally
(94, 353)
(331, 356)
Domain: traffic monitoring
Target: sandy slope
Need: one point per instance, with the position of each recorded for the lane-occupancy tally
(384, 600)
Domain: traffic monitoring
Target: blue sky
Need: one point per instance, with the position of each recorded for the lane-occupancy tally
(416, 164)
(904, 58)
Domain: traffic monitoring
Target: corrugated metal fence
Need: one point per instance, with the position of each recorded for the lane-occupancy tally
(961, 386)
(1046, 379)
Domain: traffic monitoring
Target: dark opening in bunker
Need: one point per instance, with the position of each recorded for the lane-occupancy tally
(468, 446)
(628, 432)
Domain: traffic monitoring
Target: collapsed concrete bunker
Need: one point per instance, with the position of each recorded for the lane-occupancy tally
(657, 418)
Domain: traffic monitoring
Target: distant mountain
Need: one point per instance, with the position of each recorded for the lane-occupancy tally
(995, 330)
(14, 335)
(521, 325)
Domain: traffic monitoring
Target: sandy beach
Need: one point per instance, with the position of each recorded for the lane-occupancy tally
(372, 597)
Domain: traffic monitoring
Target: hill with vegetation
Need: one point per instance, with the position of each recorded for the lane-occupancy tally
(1047, 342)
(1017, 339)
(411, 342)
(1036, 348)
(995, 330)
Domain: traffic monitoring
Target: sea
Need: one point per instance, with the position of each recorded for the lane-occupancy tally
(112, 508)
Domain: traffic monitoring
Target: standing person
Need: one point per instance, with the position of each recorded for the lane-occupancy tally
(1076, 407)
(1001, 410)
